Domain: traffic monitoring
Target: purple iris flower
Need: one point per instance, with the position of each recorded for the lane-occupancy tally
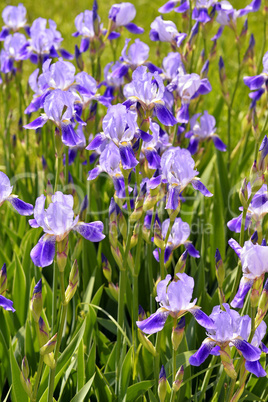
(178, 171)
(179, 234)
(87, 88)
(170, 5)
(200, 12)
(44, 43)
(189, 86)
(257, 209)
(59, 106)
(148, 90)
(6, 304)
(121, 15)
(254, 261)
(84, 23)
(11, 51)
(59, 75)
(203, 130)
(119, 126)
(21, 207)
(166, 31)
(174, 298)
(57, 221)
(229, 329)
(14, 19)
(257, 83)
(172, 66)
(156, 146)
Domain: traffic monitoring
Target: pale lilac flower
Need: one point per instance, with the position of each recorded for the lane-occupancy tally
(171, 4)
(172, 66)
(228, 329)
(178, 171)
(166, 31)
(254, 261)
(11, 51)
(174, 298)
(14, 18)
(21, 207)
(203, 130)
(148, 90)
(57, 221)
(122, 14)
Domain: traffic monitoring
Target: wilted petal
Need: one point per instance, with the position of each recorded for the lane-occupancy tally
(155, 322)
(43, 253)
(202, 353)
(90, 231)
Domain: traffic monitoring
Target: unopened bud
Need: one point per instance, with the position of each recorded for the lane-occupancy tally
(243, 194)
(146, 343)
(106, 268)
(114, 210)
(177, 333)
(256, 291)
(114, 291)
(254, 237)
(3, 279)
(26, 383)
(263, 305)
(49, 346)
(141, 314)
(178, 379)
(43, 333)
(162, 385)
(227, 362)
(78, 58)
(58, 143)
(62, 252)
(135, 236)
(25, 367)
(73, 282)
(49, 360)
(220, 271)
(36, 304)
(158, 238)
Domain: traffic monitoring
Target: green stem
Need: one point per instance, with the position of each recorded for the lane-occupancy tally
(57, 168)
(207, 378)
(54, 297)
(218, 388)
(150, 261)
(174, 364)
(66, 166)
(37, 380)
(59, 338)
(157, 359)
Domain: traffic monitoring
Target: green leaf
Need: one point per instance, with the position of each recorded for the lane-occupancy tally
(80, 366)
(125, 374)
(139, 389)
(80, 396)
(19, 395)
(19, 289)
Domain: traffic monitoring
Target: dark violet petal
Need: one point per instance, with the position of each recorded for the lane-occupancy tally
(166, 8)
(127, 157)
(235, 224)
(6, 304)
(202, 319)
(113, 35)
(92, 174)
(201, 15)
(154, 182)
(192, 250)
(219, 144)
(167, 253)
(173, 198)
(69, 136)
(23, 208)
(252, 7)
(43, 253)
(4, 33)
(198, 185)
(154, 35)
(235, 246)
(128, 103)
(33, 223)
(105, 99)
(255, 368)
(254, 82)
(193, 145)
(202, 353)
(216, 351)
(153, 159)
(164, 115)
(53, 52)
(120, 71)
(96, 142)
(205, 88)
(34, 58)
(84, 45)
(264, 348)
(250, 353)
(156, 254)
(119, 186)
(146, 137)
(37, 123)
(154, 323)
(133, 28)
(152, 68)
(66, 55)
(183, 114)
(183, 7)
(90, 231)
(243, 289)
(218, 34)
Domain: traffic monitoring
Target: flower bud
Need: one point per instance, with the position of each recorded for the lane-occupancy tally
(25, 367)
(122, 224)
(114, 291)
(256, 291)
(27, 386)
(141, 314)
(177, 333)
(243, 194)
(113, 232)
(62, 252)
(106, 268)
(49, 360)
(263, 305)
(36, 304)
(227, 362)
(180, 266)
(73, 282)
(149, 202)
(58, 141)
(78, 58)
(162, 385)
(43, 332)
(146, 343)
(254, 237)
(178, 379)
(3, 279)
(134, 237)
(49, 346)
(220, 271)
(158, 239)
